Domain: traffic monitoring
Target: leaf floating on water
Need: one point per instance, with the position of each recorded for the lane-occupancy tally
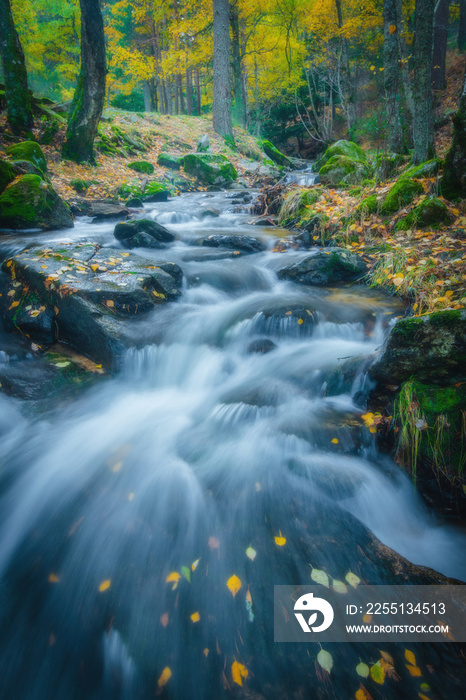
(206, 652)
(362, 694)
(53, 578)
(378, 673)
(195, 617)
(186, 573)
(352, 579)
(362, 670)
(280, 541)
(173, 577)
(339, 586)
(214, 543)
(238, 672)
(164, 620)
(410, 658)
(320, 576)
(165, 677)
(335, 441)
(234, 584)
(195, 564)
(110, 303)
(249, 606)
(300, 321)
(251, 553)
(14, 304)
(105, 585)
(324, 659)
(414, 670)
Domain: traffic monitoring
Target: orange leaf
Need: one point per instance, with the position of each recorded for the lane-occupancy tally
(234, 584)
(165, 677)
(414, 670)
(238, 672)
(195, 617)
(105, 585)
(392, 29)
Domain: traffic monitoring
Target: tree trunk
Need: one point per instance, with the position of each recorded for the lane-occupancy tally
(198, 92)
(189, 91)
(222, 87)
(404, 58)
(18, 100)
(146, 96)
(462, 28)
(439, 81)
(348, 88)
(239, 108)
(88, 100)
(391, 56)
(453, 182)
(423, 124)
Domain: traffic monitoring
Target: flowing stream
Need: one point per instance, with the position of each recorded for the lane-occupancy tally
(204, 445)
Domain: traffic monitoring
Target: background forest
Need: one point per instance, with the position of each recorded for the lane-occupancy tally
(303, 71)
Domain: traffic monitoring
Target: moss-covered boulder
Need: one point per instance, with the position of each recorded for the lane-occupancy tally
(386, 165)
(326, 267)
(28, 150)
(32, 203)
(431, 212)
(276, 155)
(403, 192)
(142, 166)
(168, 160)
(296, 208)
(7, 174)
(427, 169)
(210, 169)
(342, 148)
(368, 205)
(431, 348)
(152, 191)
(342, 170)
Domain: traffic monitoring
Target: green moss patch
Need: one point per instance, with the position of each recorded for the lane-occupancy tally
(343, 148)
(32, 203)
(431, 212)
(7, 174)
(142, 166)
(28, 150)
(275, 155)
(210, 169)
(400, 195)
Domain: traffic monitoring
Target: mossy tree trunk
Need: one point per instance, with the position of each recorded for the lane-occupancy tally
(222, 85)
(439, 81)
(423, 123)
(88, 100)
(462, 27)
(239, 107)
(454, 174)
(347, 80)
(392, 78)
(18, 99)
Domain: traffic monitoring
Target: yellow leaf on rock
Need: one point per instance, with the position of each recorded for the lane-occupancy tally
(110, 303)
(234, 584)
(104, 586)
(165, 677)
(238, 672)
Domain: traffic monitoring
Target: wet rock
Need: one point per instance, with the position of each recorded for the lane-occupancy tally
(30, 202)
(91, 295)
(169, 160)
(143, 233)
(210, 213)
(276, 155)
(135, 203)
(261, 345)
(324, 268)
(203, 144)
(106, 211)
(431, 348)
(246, 244)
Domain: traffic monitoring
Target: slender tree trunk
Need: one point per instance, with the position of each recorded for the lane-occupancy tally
(348, 87)
(146, 96)
(189, 91)
(18, 100)
(404, 59)
(395, 140)
(453, 182)
(439, 81)
(423, 124)
(239, 110)
(198, 92)
(88, 100)
(222, 86)
(462, 27)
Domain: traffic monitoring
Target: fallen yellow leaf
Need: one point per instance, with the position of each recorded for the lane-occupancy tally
(234, 584)
(105, 585)
(164, 677)
(238, 672)
(195, 617)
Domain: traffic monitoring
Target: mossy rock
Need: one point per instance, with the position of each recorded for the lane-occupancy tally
(7, 174)
(168, 160)
(210, 169)
(340, 170)
(441, 431)
(431, 212)
(32, 203)
(342, 148)
(427, 169)
(400, 195)
(28, 150)
(142, 166)
(296, 207)
(324, 268)
(275, 155)
(368, 205)
(430, 348)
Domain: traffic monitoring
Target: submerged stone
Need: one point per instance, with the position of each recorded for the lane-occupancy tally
(245, 244)
(326, 267)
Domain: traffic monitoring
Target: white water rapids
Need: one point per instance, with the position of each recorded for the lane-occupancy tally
(197, 449)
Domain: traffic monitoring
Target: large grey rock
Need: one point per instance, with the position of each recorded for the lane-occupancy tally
(246, 244)
(431, 348)
(30, 202)
(107, 211)
(143, 233)
(331, 266)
